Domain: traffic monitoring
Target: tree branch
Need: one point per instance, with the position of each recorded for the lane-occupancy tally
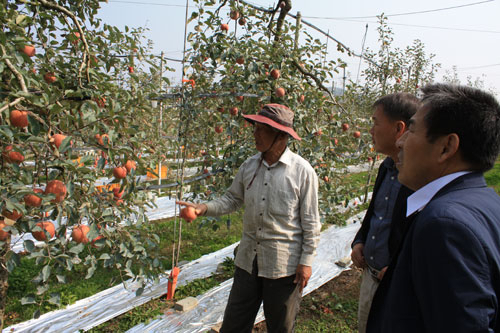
(82, 36)
(15, 71)
(281, 19)
(349, 51)
(14, 102)
(318, 83)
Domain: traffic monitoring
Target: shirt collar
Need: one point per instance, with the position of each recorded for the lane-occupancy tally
(418, 200)
(285, 158)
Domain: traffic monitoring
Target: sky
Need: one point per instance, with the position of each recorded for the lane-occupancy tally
(461, 33)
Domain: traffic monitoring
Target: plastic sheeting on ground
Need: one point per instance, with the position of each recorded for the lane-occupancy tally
(334, 245)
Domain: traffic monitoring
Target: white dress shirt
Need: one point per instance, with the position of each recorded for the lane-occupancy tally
(418, 200)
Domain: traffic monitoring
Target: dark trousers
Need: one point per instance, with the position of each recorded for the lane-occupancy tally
(281, 299)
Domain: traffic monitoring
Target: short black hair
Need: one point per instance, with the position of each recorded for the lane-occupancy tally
(398, 106)
(472, 114)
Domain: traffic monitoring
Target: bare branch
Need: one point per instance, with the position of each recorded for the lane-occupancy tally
(318, 83)
(82, 36)
(349, 51)
(14, 102)
(218, 9)
(281, 19)
(15, 71)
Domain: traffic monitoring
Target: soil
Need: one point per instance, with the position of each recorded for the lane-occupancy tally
(345, 287)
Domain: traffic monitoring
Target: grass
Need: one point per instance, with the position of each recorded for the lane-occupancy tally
(493, 177)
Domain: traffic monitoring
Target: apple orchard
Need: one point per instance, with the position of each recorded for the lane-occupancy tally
(76, 108)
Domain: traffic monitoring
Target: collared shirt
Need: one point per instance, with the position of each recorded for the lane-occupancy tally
(376, 248)
(418, 200)
(281, 222)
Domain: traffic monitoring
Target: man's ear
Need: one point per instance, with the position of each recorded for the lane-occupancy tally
(400, 128)
(449, 146)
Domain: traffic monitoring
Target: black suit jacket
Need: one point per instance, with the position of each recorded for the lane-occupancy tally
(398, 214)
(446, 275)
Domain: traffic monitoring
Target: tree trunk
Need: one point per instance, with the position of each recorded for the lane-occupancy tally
(4, 280)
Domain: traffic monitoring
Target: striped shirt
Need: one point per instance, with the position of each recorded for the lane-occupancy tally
(281, 222)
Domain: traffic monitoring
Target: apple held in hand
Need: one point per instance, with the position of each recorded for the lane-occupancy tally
(188, 214)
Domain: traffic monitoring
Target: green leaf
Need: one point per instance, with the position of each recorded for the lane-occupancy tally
(29, 245)
(55, 298)
(34, 125)
(6, 132)
(77, 249)
(46, 272)
(65, 144)
(90, 272)
(13, 260)
(42, 289)
(28, 300)
(104, 256)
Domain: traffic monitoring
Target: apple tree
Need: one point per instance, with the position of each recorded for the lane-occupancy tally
(74, 114)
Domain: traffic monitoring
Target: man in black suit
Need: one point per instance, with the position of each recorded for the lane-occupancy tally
(446, 275)
(381, 232)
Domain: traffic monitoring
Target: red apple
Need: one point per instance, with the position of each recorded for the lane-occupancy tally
(224, 27)
(188, 214)
(120, 172)
(19, 118)
(46, 226)
(50, 77)
(58, 188)
(356, 134)
(12, 156)
(129, 165)
(29, 50)
(3, 234)
(57, 139)
(275, 74)
(14, 215)
(345, 127)
(280, 92)
(234, 15)
(33, 200)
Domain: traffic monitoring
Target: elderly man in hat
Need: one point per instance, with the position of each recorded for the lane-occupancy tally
(281, 226)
